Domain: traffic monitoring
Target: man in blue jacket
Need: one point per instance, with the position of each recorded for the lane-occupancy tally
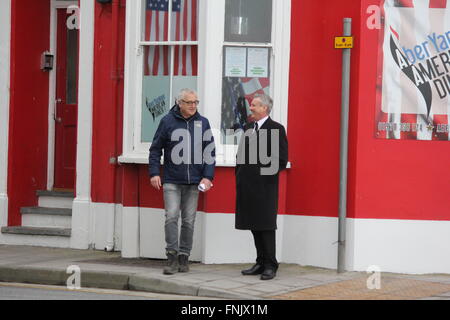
(189, 162)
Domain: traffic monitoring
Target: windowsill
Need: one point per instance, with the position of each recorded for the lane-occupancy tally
(143, 159)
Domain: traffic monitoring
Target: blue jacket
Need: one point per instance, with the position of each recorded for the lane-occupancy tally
(189, 149)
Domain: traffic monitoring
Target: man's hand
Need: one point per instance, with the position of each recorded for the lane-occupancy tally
(207, 183)
(156, 182)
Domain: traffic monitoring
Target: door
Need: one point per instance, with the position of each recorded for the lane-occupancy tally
(66, 104)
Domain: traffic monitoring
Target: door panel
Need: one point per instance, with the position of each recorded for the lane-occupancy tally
(66, 104)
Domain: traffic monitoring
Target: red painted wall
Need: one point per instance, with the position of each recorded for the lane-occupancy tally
(28, 126)
(315, 104)
(401, 179)
(109, 51)
(387, 179)
(312, 182)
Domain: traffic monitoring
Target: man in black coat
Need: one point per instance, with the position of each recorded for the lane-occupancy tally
(262, 154)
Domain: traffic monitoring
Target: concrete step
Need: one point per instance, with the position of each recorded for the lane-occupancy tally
(55, 199)
(46, 217)
(37, 231)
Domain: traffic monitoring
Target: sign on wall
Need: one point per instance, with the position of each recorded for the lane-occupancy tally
(413, 84)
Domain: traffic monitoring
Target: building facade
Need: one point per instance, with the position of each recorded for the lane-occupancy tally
(84, 84)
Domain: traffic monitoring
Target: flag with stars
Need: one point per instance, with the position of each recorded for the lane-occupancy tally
(238, 94)
(184, 23)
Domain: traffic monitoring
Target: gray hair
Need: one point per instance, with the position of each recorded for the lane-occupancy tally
(266, 100)
(185, 91)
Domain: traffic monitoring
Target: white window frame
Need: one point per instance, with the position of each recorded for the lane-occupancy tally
(210, 68)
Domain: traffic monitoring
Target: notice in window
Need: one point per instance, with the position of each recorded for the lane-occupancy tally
(235, 62)
(258, 62)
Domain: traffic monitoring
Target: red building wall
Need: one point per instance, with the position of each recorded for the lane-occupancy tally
(387, 179)
(28, 125)
(315, 104)
(310, 187)
(109, 50)
(394, 179)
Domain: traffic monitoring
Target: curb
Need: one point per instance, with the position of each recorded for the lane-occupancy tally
(161, 285)
(113, 281)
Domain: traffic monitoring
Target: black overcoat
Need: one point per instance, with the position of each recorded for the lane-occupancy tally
(257, 175)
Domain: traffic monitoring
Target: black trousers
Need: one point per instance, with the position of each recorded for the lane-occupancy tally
(265, 248)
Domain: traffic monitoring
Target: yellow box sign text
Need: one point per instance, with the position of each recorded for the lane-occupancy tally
(343, 42)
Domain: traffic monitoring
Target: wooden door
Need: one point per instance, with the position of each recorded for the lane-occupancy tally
(66, 104)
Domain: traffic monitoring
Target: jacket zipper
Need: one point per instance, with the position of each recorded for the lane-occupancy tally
(189, 151)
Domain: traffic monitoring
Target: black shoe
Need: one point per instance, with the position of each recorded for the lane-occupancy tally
(268, 274)
(256, 269)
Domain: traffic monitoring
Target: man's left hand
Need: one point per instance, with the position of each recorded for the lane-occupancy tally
(207, 183)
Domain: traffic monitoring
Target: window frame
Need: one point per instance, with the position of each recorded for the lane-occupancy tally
(210, 42)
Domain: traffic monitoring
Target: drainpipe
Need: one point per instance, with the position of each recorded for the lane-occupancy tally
(344, 147)
(115, 77)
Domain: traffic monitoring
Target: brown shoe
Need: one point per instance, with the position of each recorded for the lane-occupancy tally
(172, 263)
(183, 263)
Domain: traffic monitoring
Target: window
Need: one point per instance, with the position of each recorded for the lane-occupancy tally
(225, 49)
(170, 57)
(246, 70)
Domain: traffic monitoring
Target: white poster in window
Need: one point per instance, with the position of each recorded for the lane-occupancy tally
(235, 62)
(258, 62)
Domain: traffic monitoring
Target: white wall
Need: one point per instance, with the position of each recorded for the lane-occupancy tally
(310, 241)
(82, 236)
(401, 246)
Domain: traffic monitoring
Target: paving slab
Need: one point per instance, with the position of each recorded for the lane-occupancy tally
(38, 265)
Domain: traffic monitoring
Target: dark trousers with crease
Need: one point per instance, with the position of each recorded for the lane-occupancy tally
(265, 248)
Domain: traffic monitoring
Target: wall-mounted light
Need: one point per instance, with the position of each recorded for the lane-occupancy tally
(47, 61)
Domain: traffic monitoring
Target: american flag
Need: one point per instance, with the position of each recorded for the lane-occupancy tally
(407, 111)
(184, 25)
(238, 94)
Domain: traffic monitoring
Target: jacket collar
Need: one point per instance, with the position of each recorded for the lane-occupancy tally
(177, 113)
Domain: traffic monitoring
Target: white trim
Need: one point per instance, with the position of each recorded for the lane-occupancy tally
(399, 246)
(211, 35)
(5, 74)
(55, 5)
(130, 232)
(81, 211)
(310, 241)
(132, 65)
(152, 239)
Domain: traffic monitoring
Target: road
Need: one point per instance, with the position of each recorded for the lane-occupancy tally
(17, 291)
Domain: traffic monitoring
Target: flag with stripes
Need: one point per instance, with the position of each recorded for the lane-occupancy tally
(184, 24)
(413, 89)
(238, 94)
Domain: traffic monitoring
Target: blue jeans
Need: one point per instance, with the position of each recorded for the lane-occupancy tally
(180, 199)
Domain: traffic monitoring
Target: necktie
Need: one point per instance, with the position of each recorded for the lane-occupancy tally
(256, 126)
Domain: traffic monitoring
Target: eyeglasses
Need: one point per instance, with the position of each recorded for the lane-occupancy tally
(190, 103)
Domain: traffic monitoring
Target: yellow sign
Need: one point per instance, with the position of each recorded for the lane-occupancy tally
(343, 42)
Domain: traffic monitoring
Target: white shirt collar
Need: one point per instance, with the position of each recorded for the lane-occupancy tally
(261, 122)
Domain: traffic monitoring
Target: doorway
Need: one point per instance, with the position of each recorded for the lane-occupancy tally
(66, 103)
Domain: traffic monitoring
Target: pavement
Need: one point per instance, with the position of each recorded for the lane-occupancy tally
(105, 270)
